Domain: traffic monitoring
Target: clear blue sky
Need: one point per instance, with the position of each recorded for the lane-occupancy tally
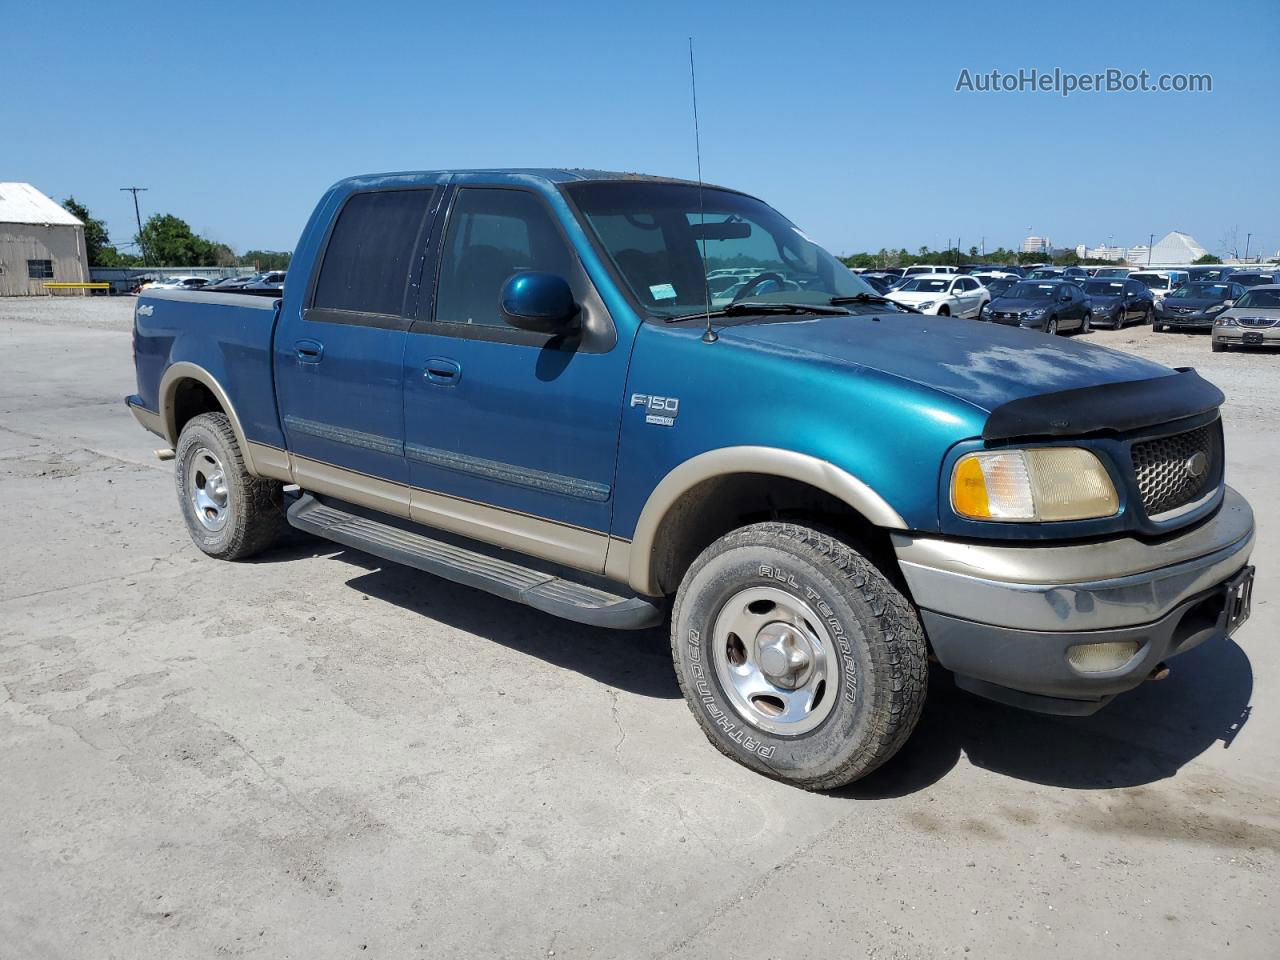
(842, 115)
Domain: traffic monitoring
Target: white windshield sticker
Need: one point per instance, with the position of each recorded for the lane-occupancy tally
(662, 291)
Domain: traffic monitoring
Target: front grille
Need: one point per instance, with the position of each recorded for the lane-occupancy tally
(1258, 321)
(1166, 468)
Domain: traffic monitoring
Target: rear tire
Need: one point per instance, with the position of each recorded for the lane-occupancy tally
(797, 656)
(230, 514)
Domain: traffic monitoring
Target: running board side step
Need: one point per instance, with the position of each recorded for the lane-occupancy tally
(477, 566)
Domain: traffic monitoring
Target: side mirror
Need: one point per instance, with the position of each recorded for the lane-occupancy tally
(541, 302)
(1228, 303)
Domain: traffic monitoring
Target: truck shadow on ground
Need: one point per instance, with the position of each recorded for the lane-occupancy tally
(1145, 735)
(1142, 736)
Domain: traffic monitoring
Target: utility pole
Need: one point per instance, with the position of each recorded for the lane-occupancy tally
(1247, 238)
(138, 215)
(1150, 242)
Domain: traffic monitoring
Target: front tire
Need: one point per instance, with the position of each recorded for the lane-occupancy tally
(1218, 346)
(1051, 326)
(230, 513)
(797, 656)
(1086, 321)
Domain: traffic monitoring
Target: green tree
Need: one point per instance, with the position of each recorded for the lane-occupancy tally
(1209, 258)
(279, 260)
(170, 241)
(97, 243)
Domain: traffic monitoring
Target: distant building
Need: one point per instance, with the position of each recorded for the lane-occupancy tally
(39, 241)
(1037, 245)
(1176, 248)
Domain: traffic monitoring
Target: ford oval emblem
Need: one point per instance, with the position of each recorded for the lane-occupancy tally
(1196, 465)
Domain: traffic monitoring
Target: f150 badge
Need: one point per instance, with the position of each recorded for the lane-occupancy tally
(659, 410)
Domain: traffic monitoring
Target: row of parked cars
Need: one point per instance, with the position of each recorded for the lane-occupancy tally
(1240, 306)
(268, 281)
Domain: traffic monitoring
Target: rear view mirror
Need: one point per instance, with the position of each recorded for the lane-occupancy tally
(725, 230)
(541, 302)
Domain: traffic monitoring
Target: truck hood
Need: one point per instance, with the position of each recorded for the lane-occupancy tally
(986, 365)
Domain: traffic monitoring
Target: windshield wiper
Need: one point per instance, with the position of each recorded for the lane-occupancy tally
(745, 307)
(871, 298)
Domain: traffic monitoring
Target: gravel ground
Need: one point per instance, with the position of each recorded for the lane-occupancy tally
(318, 755)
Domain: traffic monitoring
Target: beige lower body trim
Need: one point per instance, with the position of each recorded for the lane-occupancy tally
(149, 419)
(269, 461)
(358, 488)
(572, 546)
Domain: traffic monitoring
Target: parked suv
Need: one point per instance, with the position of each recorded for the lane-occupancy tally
(511, 380)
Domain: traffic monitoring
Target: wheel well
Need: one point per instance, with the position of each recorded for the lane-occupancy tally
(190, 399)
(716, 506)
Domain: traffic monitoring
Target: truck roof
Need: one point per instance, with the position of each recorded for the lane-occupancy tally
(549, 174)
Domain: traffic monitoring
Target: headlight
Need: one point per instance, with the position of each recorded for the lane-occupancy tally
(926, 305)
(1227, 322)
(1216, 308)
(1039, 484)
(1038, 312)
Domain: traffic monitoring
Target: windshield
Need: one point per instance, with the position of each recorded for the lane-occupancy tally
(1104, 288)
(654, 233)
(1251, 279)
(1260, 299)
(1042, 274)
(1151, 281)
(1200, 291)
(998, 285)
(1111, 272)
(1031, 291)
(921, 285)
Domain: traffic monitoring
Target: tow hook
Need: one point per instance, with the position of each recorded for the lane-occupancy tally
(1159, 671)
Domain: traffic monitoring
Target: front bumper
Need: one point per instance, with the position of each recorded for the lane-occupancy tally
(1003, 617)
(1188, 321)
(1236, 336)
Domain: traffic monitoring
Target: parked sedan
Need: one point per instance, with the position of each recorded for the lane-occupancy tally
(943, 294)
(1255, 278)
(1252, 321)
(1048, 305)
(1117, 302)
(1194, 305)
(1209, 274)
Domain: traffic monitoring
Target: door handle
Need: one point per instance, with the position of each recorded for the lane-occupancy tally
(443, 371)
(309, 351)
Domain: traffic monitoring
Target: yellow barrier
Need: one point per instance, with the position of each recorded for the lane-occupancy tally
(77, 286)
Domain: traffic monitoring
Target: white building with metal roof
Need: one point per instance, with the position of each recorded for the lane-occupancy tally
(39, 242)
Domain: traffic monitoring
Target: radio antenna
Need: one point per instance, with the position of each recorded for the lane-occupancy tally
(708, 335)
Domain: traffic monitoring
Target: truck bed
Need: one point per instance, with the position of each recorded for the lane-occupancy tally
(227, 334)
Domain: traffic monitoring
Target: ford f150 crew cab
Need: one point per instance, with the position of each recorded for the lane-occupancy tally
(517, 380)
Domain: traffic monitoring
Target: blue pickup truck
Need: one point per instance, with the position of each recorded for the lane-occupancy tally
(523, 381)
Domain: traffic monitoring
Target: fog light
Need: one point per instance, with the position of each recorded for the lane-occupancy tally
(1102, 657)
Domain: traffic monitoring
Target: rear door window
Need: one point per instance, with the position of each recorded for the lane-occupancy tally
(368, 258)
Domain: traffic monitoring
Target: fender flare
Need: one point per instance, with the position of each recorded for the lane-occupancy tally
(771, 461)
(185, 370)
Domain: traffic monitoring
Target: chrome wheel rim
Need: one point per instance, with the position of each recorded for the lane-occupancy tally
(1051, 327)
(776, 661)
(207, 489)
